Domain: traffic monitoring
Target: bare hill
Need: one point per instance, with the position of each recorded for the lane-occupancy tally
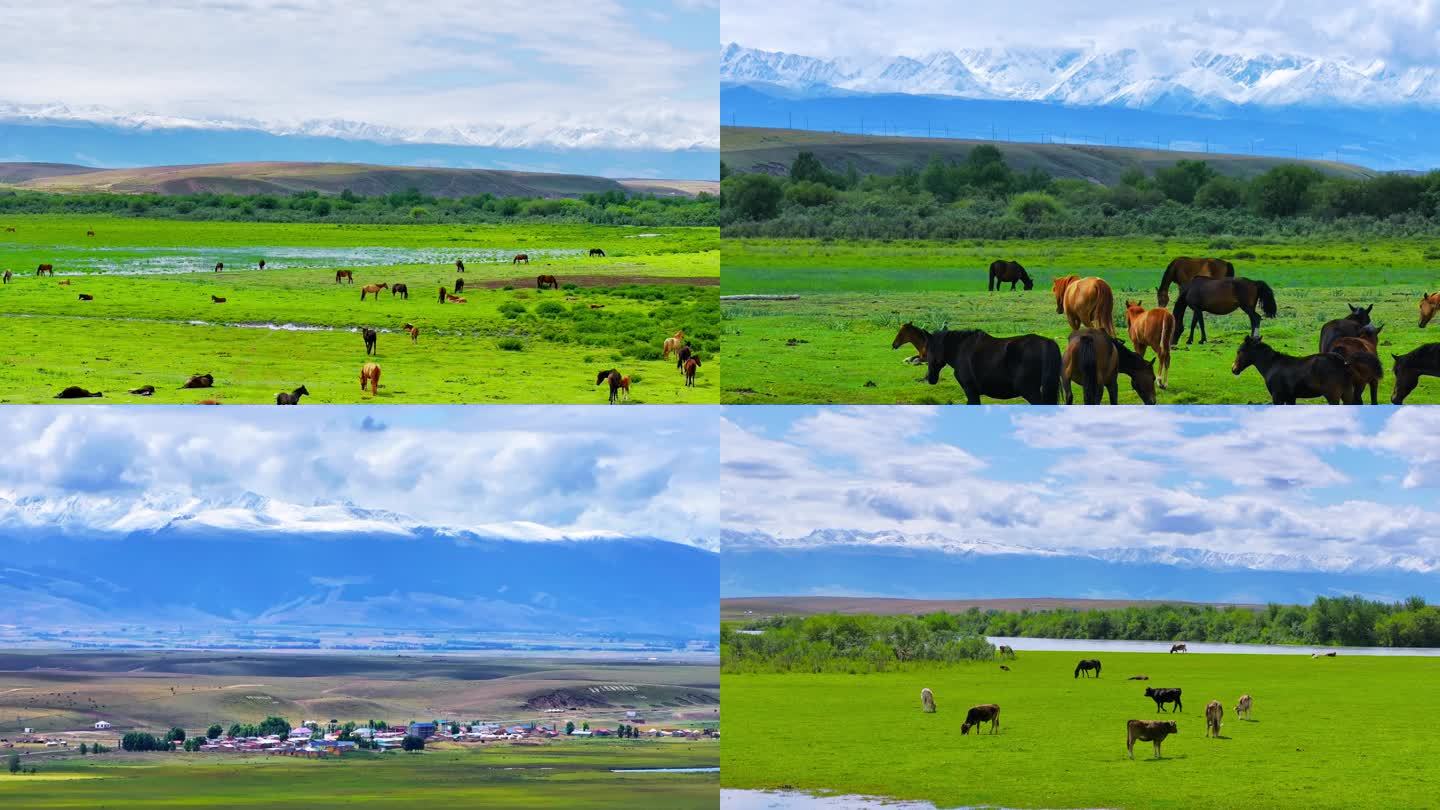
(741, 608)
(753, 149)
(21, 172)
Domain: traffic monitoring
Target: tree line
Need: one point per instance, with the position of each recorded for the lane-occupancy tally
(982, 196)
(832, 642)
(408, 206)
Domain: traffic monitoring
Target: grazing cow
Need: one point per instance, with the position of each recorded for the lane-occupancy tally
(459, 266)
(200, 381)
(215, 299)
(370, 373)
(219, 266)
(927, 701)
(400, 290)
(370, 337)
(984, 713)
(1006, 651)
(1153, 731)
(1174, 648)
(86, 297)
(1085, 302)
(412, 330)
(1242, 708)
(1162, 695)
(1138, 678)
(520, 258)
(291, 398)
(143, 391)
(672, 344)
(690, 366)
(7, 275)
(262, 264)
(1348, 326)
(348, 275)
(459, 285)
(1214, 713)
(597, 252)
(45, 270)
(1086, 665)
(541, 282)
(1002, 271)
(373, 290)
(76, 392)
(684, 354)
(1409, 368)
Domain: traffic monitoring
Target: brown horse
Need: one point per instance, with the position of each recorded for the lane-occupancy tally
(1363, 359)
(459, 285)
(690, 366)
(401, 290)
(454, 299)
(1152, 329)
(541, 282)
(1002, 271)
(1085, 302)
(1429, 305)
(10, 229)
(413, 331)
(617, 382)
(1183, 269)
(915, 336)
(1222, 296)
(76, 392)
(215, 299)
(370, 374)
(1089, 357)
(348, 275)
(672, 344)
(373, 290)
(371, 337)
(219, 266)
(45, 270)
(520, 258)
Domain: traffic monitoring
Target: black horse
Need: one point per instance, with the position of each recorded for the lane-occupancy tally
(681, 356)
(1086, 665)
(1409, 368)
(292, 398)
(442, 295)
(459, 286)
(370, 337)
(1352, 325)
(1002, 270)
(1026, 366)
(400, 289)
(597, 252)
(1222, 296)
(76, 392)
(1290, 378)
(459, 266)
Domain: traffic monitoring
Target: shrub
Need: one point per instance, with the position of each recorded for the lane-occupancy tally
(511, 344)
(550, 308)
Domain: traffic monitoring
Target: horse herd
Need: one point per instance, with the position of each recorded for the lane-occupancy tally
(1151, 731)
(1033, 368)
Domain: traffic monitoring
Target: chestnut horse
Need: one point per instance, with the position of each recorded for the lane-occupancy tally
(1183, 269)
(370, 373)
(915, 336)
(1002, 271)
(1429, 305)
(673, 344)
(1152, 329)
(541, 282)
(1290, 378)
(520, 258)
(1097, 360)
(690, 366)
(413, 331)
(45, 270)
(348, 275)
(1222, 296)
(1085, 302)
(373, 290)
(454, 299)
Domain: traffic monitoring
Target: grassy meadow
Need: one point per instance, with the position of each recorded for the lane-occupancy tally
(152, 320)
(1329, 732)
(832, 345)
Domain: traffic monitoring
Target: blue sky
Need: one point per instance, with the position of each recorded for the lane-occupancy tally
(1346, 484)
(634, 75)
(522, 472)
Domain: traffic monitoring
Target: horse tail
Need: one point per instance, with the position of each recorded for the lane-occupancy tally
(1106, 305)
(1267, 298)
(1089, 370)
(1167, 330)
(1050, 374)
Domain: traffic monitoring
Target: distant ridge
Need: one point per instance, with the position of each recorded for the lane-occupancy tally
(328, 178)
(756, 606)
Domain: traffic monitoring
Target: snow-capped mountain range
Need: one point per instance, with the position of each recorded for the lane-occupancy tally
(1202, 81)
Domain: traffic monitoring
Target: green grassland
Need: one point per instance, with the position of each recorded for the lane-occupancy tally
(832, 345)
(1329, 732)
(292, 325)
(566, 775)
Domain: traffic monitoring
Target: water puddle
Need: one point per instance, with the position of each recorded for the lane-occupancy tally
(664, 770)
(160, 261)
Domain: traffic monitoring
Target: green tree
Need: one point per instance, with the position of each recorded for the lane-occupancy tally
(1221, 192)
(570, 727)
(1034, 206)
(214, 731)
(84, 749)
(412, 742)
(808, 168)
(1181, 181)
(753, 196)
(176, 734)
(1283, 190)
(13, 762)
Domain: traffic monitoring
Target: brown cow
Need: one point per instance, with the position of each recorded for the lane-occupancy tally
(1085, 302)
(370, 373)
(984, 713)
(1242, 709)
(1214, 713)
(1154, 731)
(373, 290)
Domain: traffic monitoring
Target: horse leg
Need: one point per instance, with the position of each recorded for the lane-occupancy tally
(990, 282)
(1373, 387)
(1114, 388)
(1194, 321)
(1200, 316)
(1254, 322)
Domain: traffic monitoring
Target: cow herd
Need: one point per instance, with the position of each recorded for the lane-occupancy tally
(1032, 367)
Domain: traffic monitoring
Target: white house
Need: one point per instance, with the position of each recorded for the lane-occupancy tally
(102, 725)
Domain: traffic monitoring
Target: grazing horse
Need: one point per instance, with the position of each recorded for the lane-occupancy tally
(915, 336)
(1026, 366)
(1243, 707)
(1214, 713)
(1183, 269)
(690, 366)
(1409, 368)
(1162, 695)
(1090, 357)
(370, 373)
(459, 265)
(401, 290)
(1290, 378)
(927, 701)
(1222, 296)
(370, 337)
(1363, 360)
(1348, 326)
(597, 252)
(200, 381)
(520, 258)
(1151, 329)
(1002, 270)
(443, 293)
(291, 398)
(219, 266)
(45, 270)
(143, 391)
(541, 282)
(673, 344)
(459, 285)
(1132, 365)
(86, 297)
(1085, 302)
(1152, 731)
(984, 713)
(215, 299)
(1174, 648)
(617, 382)
(76, 392)
(413, 331)
(348, 275)
(1087, 664)
(1429, 305)
(1006, 651)
(373, 290)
